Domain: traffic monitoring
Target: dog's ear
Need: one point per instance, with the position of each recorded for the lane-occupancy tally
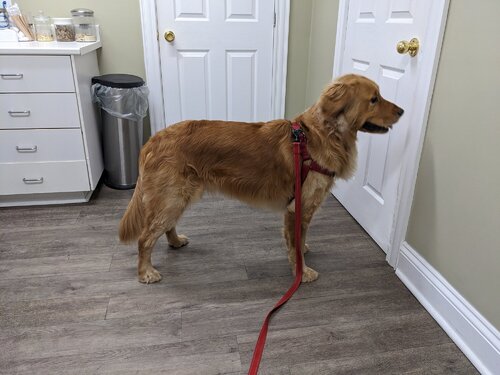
(335, 99)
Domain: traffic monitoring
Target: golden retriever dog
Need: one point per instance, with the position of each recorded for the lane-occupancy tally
(252, 162)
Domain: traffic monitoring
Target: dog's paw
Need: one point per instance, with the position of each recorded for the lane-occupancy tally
(305, 250)
(149, 276)
(181, 241)
(309, 275)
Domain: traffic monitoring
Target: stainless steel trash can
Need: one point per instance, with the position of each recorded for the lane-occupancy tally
(123, 102)
(122, 142)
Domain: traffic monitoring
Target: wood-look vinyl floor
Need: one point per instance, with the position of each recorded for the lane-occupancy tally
(70, 302)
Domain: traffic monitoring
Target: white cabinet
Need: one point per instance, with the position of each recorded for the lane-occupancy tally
(50, 148)
(23, 73)
(38, 145)
(46, 177)
(48, 110)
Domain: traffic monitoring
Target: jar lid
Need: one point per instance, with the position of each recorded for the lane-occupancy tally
(62, 21)
(82, 12)
(41, 17)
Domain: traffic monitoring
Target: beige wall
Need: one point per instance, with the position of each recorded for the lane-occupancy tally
(120, 24)
(298, 56)
(321, 47)
(311, 43)
(455, 218)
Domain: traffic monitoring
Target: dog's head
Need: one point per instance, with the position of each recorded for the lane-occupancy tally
(356, 101)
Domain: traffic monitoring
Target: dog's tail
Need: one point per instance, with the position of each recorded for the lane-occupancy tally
(132, 221)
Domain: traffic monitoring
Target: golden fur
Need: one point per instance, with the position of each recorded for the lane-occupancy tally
(252, 162)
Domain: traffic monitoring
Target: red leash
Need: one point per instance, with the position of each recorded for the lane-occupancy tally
(261, 341)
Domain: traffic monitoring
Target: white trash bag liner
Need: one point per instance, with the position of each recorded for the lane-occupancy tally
(128, 103)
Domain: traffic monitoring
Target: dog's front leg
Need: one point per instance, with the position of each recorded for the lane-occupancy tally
(308, 274)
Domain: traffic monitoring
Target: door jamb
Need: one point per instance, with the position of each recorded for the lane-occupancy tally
(416, 132)
(151, 39)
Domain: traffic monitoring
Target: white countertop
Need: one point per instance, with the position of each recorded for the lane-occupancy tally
(48, 48)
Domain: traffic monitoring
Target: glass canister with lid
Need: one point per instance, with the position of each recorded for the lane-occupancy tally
(85, 30)
(65, 31)
(43, 28)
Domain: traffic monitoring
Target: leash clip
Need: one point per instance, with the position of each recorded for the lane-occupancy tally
(298, 135)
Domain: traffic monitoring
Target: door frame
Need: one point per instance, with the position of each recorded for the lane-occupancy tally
(416, 133)
(151, 39)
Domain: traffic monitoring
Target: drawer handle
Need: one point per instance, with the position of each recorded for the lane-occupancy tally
(12, 76)
(32, 181)
(19, 113)
(26, 149)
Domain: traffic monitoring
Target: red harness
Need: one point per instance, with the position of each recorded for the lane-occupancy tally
(299, 136)
(300, 155)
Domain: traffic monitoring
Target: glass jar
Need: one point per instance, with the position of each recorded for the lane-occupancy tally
(43, 28)
(64, 29)
(83, 19)
(4, 18)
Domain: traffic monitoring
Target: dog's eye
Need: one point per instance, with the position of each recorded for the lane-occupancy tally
(374, 100)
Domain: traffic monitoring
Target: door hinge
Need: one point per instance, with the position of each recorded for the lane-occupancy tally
(274, 22)
(157, 36)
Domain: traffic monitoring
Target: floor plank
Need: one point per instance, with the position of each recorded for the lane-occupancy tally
(210, 357)
(90, 336)
(57, 265)
(439, 359)
(42, 312)
(60, 240)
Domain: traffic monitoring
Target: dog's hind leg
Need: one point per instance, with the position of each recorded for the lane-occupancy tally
(162, 216)
(188, 194)
(176, 240)
(145, 271)
(306, 249)
(162, 220)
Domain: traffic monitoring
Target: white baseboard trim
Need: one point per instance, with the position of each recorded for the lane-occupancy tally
(473, 334)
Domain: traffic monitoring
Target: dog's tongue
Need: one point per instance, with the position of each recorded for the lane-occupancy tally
(372, 128)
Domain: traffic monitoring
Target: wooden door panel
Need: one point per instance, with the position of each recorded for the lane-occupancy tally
(373, 181)
(191, 10)
(241, 85)
(241, 10)
(194, 84)
(401, 11)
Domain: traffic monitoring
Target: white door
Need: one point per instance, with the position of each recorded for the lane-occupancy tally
(373, 29)
(219, 66)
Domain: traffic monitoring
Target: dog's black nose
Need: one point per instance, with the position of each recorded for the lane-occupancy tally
(401, 111)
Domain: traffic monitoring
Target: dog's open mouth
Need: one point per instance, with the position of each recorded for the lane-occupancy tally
(372, 128)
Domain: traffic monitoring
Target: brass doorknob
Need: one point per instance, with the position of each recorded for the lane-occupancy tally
(410, 47)
(169, 36)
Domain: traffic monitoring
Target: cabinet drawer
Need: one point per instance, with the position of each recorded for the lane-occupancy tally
(36, 74)
(21, 146)
(52, 177)
(21, 111)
